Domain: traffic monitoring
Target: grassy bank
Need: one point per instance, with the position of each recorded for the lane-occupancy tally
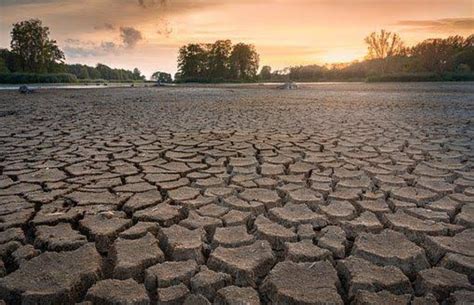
(421, 77)
(54, 78)
(32, 78)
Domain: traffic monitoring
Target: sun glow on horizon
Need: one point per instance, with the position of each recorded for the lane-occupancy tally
(343, 56)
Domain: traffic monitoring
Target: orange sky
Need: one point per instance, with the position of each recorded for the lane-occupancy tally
(147, 33)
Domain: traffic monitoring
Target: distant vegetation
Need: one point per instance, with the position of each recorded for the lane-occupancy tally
(35, 58)
(388, 59)
(162, 77)
(217, 62)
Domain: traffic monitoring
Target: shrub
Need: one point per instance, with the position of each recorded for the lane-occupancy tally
(422, 77)
(31, 78)
(405, 77)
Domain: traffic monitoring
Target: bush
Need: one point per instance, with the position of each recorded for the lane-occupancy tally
(459, 76)
(422, 77)
(32, 78)
(405, 77)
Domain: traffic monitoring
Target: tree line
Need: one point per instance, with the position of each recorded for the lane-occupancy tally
(34, 57)
(217, 62)
(388, 58)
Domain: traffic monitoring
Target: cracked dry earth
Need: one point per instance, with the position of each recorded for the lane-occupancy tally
(329, 194)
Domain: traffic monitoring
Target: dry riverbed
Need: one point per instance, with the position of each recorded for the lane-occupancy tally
(328, 194)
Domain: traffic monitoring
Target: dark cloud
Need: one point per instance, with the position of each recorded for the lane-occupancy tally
(164, 27)
(77, 48)
(152, 3)
(130, 36)
(20, 2)
(105, 26)
(439, 25)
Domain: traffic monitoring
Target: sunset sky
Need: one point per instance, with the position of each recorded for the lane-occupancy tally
(147, 33)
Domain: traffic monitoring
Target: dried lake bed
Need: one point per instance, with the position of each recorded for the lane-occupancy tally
(343, 193)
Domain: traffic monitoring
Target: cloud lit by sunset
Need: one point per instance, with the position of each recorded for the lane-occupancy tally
(148, 33)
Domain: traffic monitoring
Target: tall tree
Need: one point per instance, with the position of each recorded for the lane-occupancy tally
(441, 55)
(30, 41)
(162, 77)
(383, 45)
(193, 62)
(137, 74)
(266, 73)
(219, 54)
(244, 62)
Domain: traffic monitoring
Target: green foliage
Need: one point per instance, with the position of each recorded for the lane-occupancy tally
(431, 60)
(266, 73)
(244, 62)
(217, 62)
(102, 71)
(465, 57)
(193, 62)
(218, 59)
(162, 77)
(3, 66)
(32, 78)
(383, 45)
(422, 77)
(307, 73)
(31, 43)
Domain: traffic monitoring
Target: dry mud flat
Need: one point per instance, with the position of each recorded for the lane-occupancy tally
(329, 194)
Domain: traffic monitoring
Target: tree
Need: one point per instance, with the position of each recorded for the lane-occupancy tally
(30, 41)
(218, 58)
(244, 62)
(307, 73)
(93, 73)
(266, 73)
(162, 77)
(383, 45)
(441, 55)
(11, 60)
(105, 71)
(193, 62)
(137, 75)
(3, 66)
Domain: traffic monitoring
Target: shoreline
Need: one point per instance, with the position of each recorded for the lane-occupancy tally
(266, 85)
